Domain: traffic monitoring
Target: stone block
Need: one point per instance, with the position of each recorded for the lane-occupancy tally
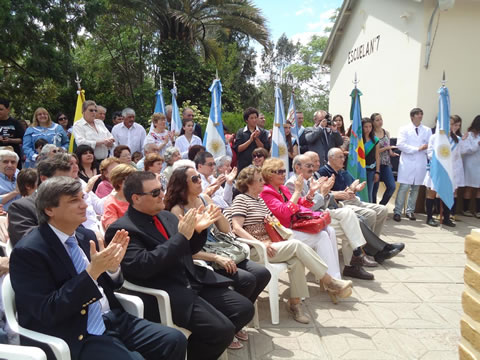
(470, 334)
(471, 305)
(472, 277)
(472, 248)
(464, 353)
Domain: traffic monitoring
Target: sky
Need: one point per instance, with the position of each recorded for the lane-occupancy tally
(300, 19)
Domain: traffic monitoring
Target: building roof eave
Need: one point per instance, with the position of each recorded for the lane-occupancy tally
(337, 31)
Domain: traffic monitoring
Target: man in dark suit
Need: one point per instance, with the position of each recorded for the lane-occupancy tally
(159, 256)
(302, 142)
(322, 137)
(22, 215)
(64, 281)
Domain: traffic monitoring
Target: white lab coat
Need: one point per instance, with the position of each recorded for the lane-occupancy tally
(413, 163)
(471, 160)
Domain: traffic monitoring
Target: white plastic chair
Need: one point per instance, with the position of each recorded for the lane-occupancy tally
(132, 304)
(21, 352)
(164, 308)
(275, 270)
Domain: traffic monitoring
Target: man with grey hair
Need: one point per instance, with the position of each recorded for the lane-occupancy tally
(8, 178)
(129, 132)
(101, 112)
(149, 148)
(321, 138)
(344, 220)
(64, 282)
(168, 115)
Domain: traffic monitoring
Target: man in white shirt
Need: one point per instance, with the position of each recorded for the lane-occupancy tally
(413, 142)
(129, 132)
(205, 165)
(92, 132)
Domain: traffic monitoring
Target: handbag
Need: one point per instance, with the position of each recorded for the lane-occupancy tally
(310, 222)
(224, 245)
(276, 231)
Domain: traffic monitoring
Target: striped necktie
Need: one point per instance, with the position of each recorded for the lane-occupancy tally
(95, 325)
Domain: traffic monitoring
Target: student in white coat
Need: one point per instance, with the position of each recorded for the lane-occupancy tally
(413, 142)
(471, 162)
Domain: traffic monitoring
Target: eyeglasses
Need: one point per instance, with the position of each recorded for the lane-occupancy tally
(154, 193)
(280, 172)
(92, 110)
(258, 156)
(62, 118)
(196, 179)
(210, 164)
(308, 166)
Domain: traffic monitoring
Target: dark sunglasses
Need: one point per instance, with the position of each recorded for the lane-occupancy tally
(196, 179)
(62, 118)
(280, 172)
(258, 156)
(154, 193)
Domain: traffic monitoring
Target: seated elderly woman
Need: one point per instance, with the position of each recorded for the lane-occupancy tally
(105, 187)
(284, 205)
(171, 155)
(248, 214)
(184, 192)
(123, 153)
(116, 205)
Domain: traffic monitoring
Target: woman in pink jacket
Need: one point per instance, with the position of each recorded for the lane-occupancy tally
(284, 205)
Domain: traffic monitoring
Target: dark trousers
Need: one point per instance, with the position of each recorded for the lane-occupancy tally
(130, 338)
(250, 279)
(386, 175)
(217, 315)
(374, 243)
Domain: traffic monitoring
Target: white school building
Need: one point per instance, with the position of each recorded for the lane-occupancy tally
(399, 50)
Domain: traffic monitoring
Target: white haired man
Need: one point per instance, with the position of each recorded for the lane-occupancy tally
(129, 132)
(8, 178)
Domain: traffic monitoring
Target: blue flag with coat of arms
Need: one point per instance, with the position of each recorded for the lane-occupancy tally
(214, 139)
(279, 143)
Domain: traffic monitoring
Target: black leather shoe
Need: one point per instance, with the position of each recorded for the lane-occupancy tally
(386, 253)
(363, 260)
(399, 246)
(411, 216)
(397, 217)
(449, 223)
(357, 272)
(432, 222)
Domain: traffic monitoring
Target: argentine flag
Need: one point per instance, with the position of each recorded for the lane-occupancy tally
(279, 144)
(159, 105)
(292, 118)
(441, 169)
(214, 139)
(176, 122)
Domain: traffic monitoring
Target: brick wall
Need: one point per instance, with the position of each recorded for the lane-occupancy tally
(469, 347)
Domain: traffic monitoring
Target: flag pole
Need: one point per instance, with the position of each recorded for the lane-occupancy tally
(78, 81)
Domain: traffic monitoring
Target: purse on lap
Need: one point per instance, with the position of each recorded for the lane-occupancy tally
(276, 231)
(224, 245)
(310, 222)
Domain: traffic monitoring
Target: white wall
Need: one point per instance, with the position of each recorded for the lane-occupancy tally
(393, 79)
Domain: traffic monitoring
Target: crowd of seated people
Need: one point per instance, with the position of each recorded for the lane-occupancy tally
(73, 219)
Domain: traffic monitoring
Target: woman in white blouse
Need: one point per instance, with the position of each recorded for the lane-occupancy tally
(92, 132)
(159, 134)
(188, 139)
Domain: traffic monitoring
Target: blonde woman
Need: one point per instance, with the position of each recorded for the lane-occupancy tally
(42, 128)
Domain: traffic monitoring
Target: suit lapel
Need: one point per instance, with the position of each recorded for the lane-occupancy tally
(52, 239)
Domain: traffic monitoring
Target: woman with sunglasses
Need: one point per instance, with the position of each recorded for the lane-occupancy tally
(87, 163)
(184, 192)
(116, 205)
(42, 128)
(284, 205)
(258, 157)
(62, 120)
(248, 214)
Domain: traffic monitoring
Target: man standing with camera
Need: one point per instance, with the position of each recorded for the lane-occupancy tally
(323, 135)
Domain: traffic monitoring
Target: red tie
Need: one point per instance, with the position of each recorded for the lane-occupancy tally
(160, 227)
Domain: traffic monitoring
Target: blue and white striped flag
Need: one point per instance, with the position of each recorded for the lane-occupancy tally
(159, 105)
(441, 169)
(176, 121)
(292, 118)
(214, 139)
(279, 144)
